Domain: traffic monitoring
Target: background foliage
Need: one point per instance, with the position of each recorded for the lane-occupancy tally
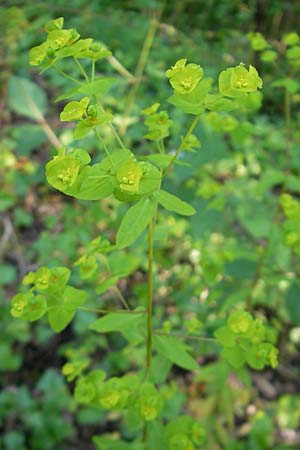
(242, 247)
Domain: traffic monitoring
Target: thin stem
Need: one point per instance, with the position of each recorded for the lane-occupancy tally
(44, 124)
(196, 338)
(64, 74)
(149, 298)
(103, 145)
(122, 298)
(111, 125)
(93, 70)
(140, 68)
(81, 69)
(120, 68)
(180, 147)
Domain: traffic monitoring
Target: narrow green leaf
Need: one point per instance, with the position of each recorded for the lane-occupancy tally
(126, 323)
(175, 351)
(135, 221)
(173, 203)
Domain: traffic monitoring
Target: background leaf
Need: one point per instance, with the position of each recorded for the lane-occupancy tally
(26, 98)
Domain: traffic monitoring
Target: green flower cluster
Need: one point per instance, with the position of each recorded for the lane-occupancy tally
(119, 174)
(158, 123)
(142, 401)
(184, 433)
(244, 340)
(61, 44)
(49, 293)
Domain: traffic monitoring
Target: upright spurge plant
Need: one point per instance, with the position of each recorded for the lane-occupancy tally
(139, 397)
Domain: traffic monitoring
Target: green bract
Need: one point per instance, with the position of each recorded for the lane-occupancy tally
(238, 81)
(62, 172)
(28, 306)
(184, 78)
(74, 110)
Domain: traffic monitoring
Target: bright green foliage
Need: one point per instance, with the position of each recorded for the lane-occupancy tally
(61, 43)
(237, 81)
(59, 300)
(244, 340)
(173, 203)
(62, 307)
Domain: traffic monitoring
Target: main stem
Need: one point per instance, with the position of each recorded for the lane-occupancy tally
(287, 114)
(149, 298)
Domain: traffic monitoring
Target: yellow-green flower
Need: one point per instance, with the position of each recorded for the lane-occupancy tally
(129, 175)
(184, 78)
(238, 81)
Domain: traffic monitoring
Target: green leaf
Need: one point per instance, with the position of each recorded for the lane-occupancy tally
(126, 323)
(292, 86)
(62, 307)
(292, 302)
(175, 351)
(26, 98)
(135, 221)
(225, 336)
(107, 284)
(218, 103)
(82, 129)
(235, 356)
(173, 203)
(93, 183)
(98, 87)
(66, 95)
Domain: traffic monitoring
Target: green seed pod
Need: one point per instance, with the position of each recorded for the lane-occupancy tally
(92, 111)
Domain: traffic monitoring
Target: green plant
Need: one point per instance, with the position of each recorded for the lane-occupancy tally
(140, 397)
